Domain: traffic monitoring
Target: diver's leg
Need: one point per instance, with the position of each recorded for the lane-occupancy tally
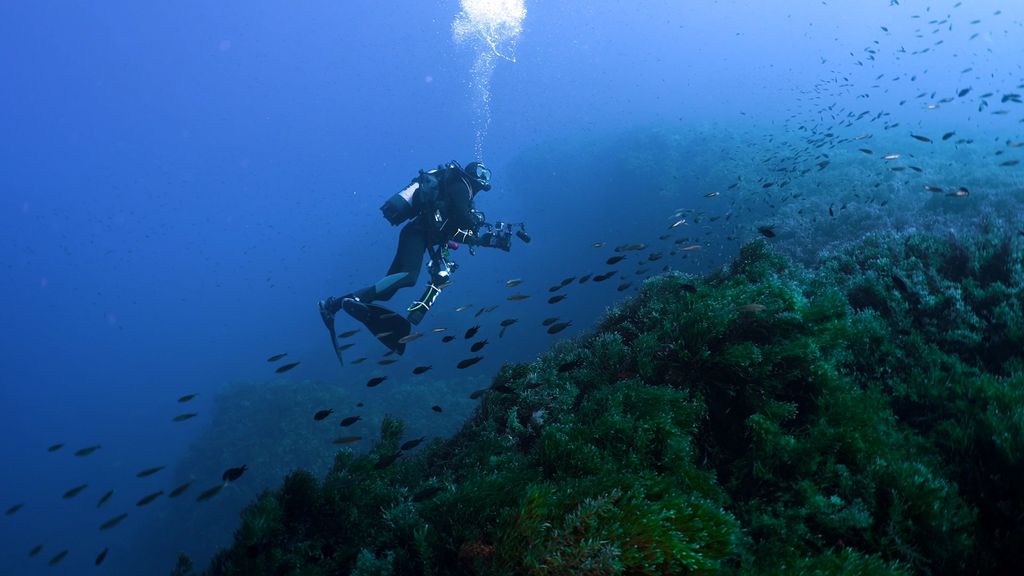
(405, 267)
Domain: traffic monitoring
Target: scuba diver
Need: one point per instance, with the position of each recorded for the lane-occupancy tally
(440, 205)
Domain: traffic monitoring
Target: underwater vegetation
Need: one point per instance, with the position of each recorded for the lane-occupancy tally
(865, 416)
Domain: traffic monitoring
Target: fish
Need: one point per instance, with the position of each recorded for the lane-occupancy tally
(751, 308)
(948, 135)
(359, 360)
(209, 493)
(767, 231)
(426, 493)
(232, 474)
(277, 357)
(385, 461)
(149, 498)
(463, 307)
(113, 521)
(614, 260)
(630, 247)
(508, 322)
(513, 282)
(342, 440)
(412, 443)
(556, 299)
(605, 276)
(75, 491)
(963, 92)
(447, 338)
(87, 450)
(598, 245)
(187, 397)
(149, 471)
(14, 509)
(101, 556)
(517, 297)
(468, 362)
(180, 490)
(472, 331)
(1013, 144)
(921, 138)
(375, 381)
(103, 499)
(691, 248)
(350, 420)
(322, 414)
(556, 328)
(387, 361)
(57, 558)
(712, 194)
(185, 416)
(830, 211)
(549, 321)
(566, 281)
(436, 408)
(55, 447)
(478, 345)
(866, 151)
(584, 278)
(960, 193)
(286, 367)
(438, 329)
(623, 286)
(478, 393)
(931, 188)
(346, 346)
(555, 288)
(410, 337)
(891, 157)
(35, 550)
(348, 333)
(679, 222)
(420, 370)
(1010, 163)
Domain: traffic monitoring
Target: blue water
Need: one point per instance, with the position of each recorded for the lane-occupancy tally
(182, 181)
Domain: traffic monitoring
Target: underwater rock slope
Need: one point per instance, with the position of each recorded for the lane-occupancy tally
(863, 417)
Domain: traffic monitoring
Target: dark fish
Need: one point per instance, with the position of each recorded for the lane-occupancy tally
(35, 550)
(420, 370)
(359, 360)
(566, 281)
(518, 297)
(508, 322)
(948, 135)
(149, 498)
(103, 499)
(375, 381)
(549, 321)
(351, 420)
(113, 521)
(277, 357)
(75, 491)
(584, 278)
(556, 328)
(866, 151)
(931, 188)
(921, 138)
(556, 299)
(448, 338)
(346, 346)
(426, 493)
(102, 556)
(478, 345)
(472, 331)
(385, 461)
(830, 212)
(555, 288)
(478, 393)
(209, 493)
(689, 288)
(232, 474)
(55, 447)
(321, 414)
(187, 397)
(436, 408)
(614, 260)
(149, 471)
(387, 361)
(57, 558)
(87, 451)
(963, 92)
(14, 509)
(468, 362)
(349, 333)
(347, 440)
(185, 416)
(413, 443)
(570, 365)
(286, 367)
(623, 286)
(1010, 163)
(180, 490)
(767, 231)
(605, 276)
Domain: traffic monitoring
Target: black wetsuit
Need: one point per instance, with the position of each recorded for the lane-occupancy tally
(454, 201)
